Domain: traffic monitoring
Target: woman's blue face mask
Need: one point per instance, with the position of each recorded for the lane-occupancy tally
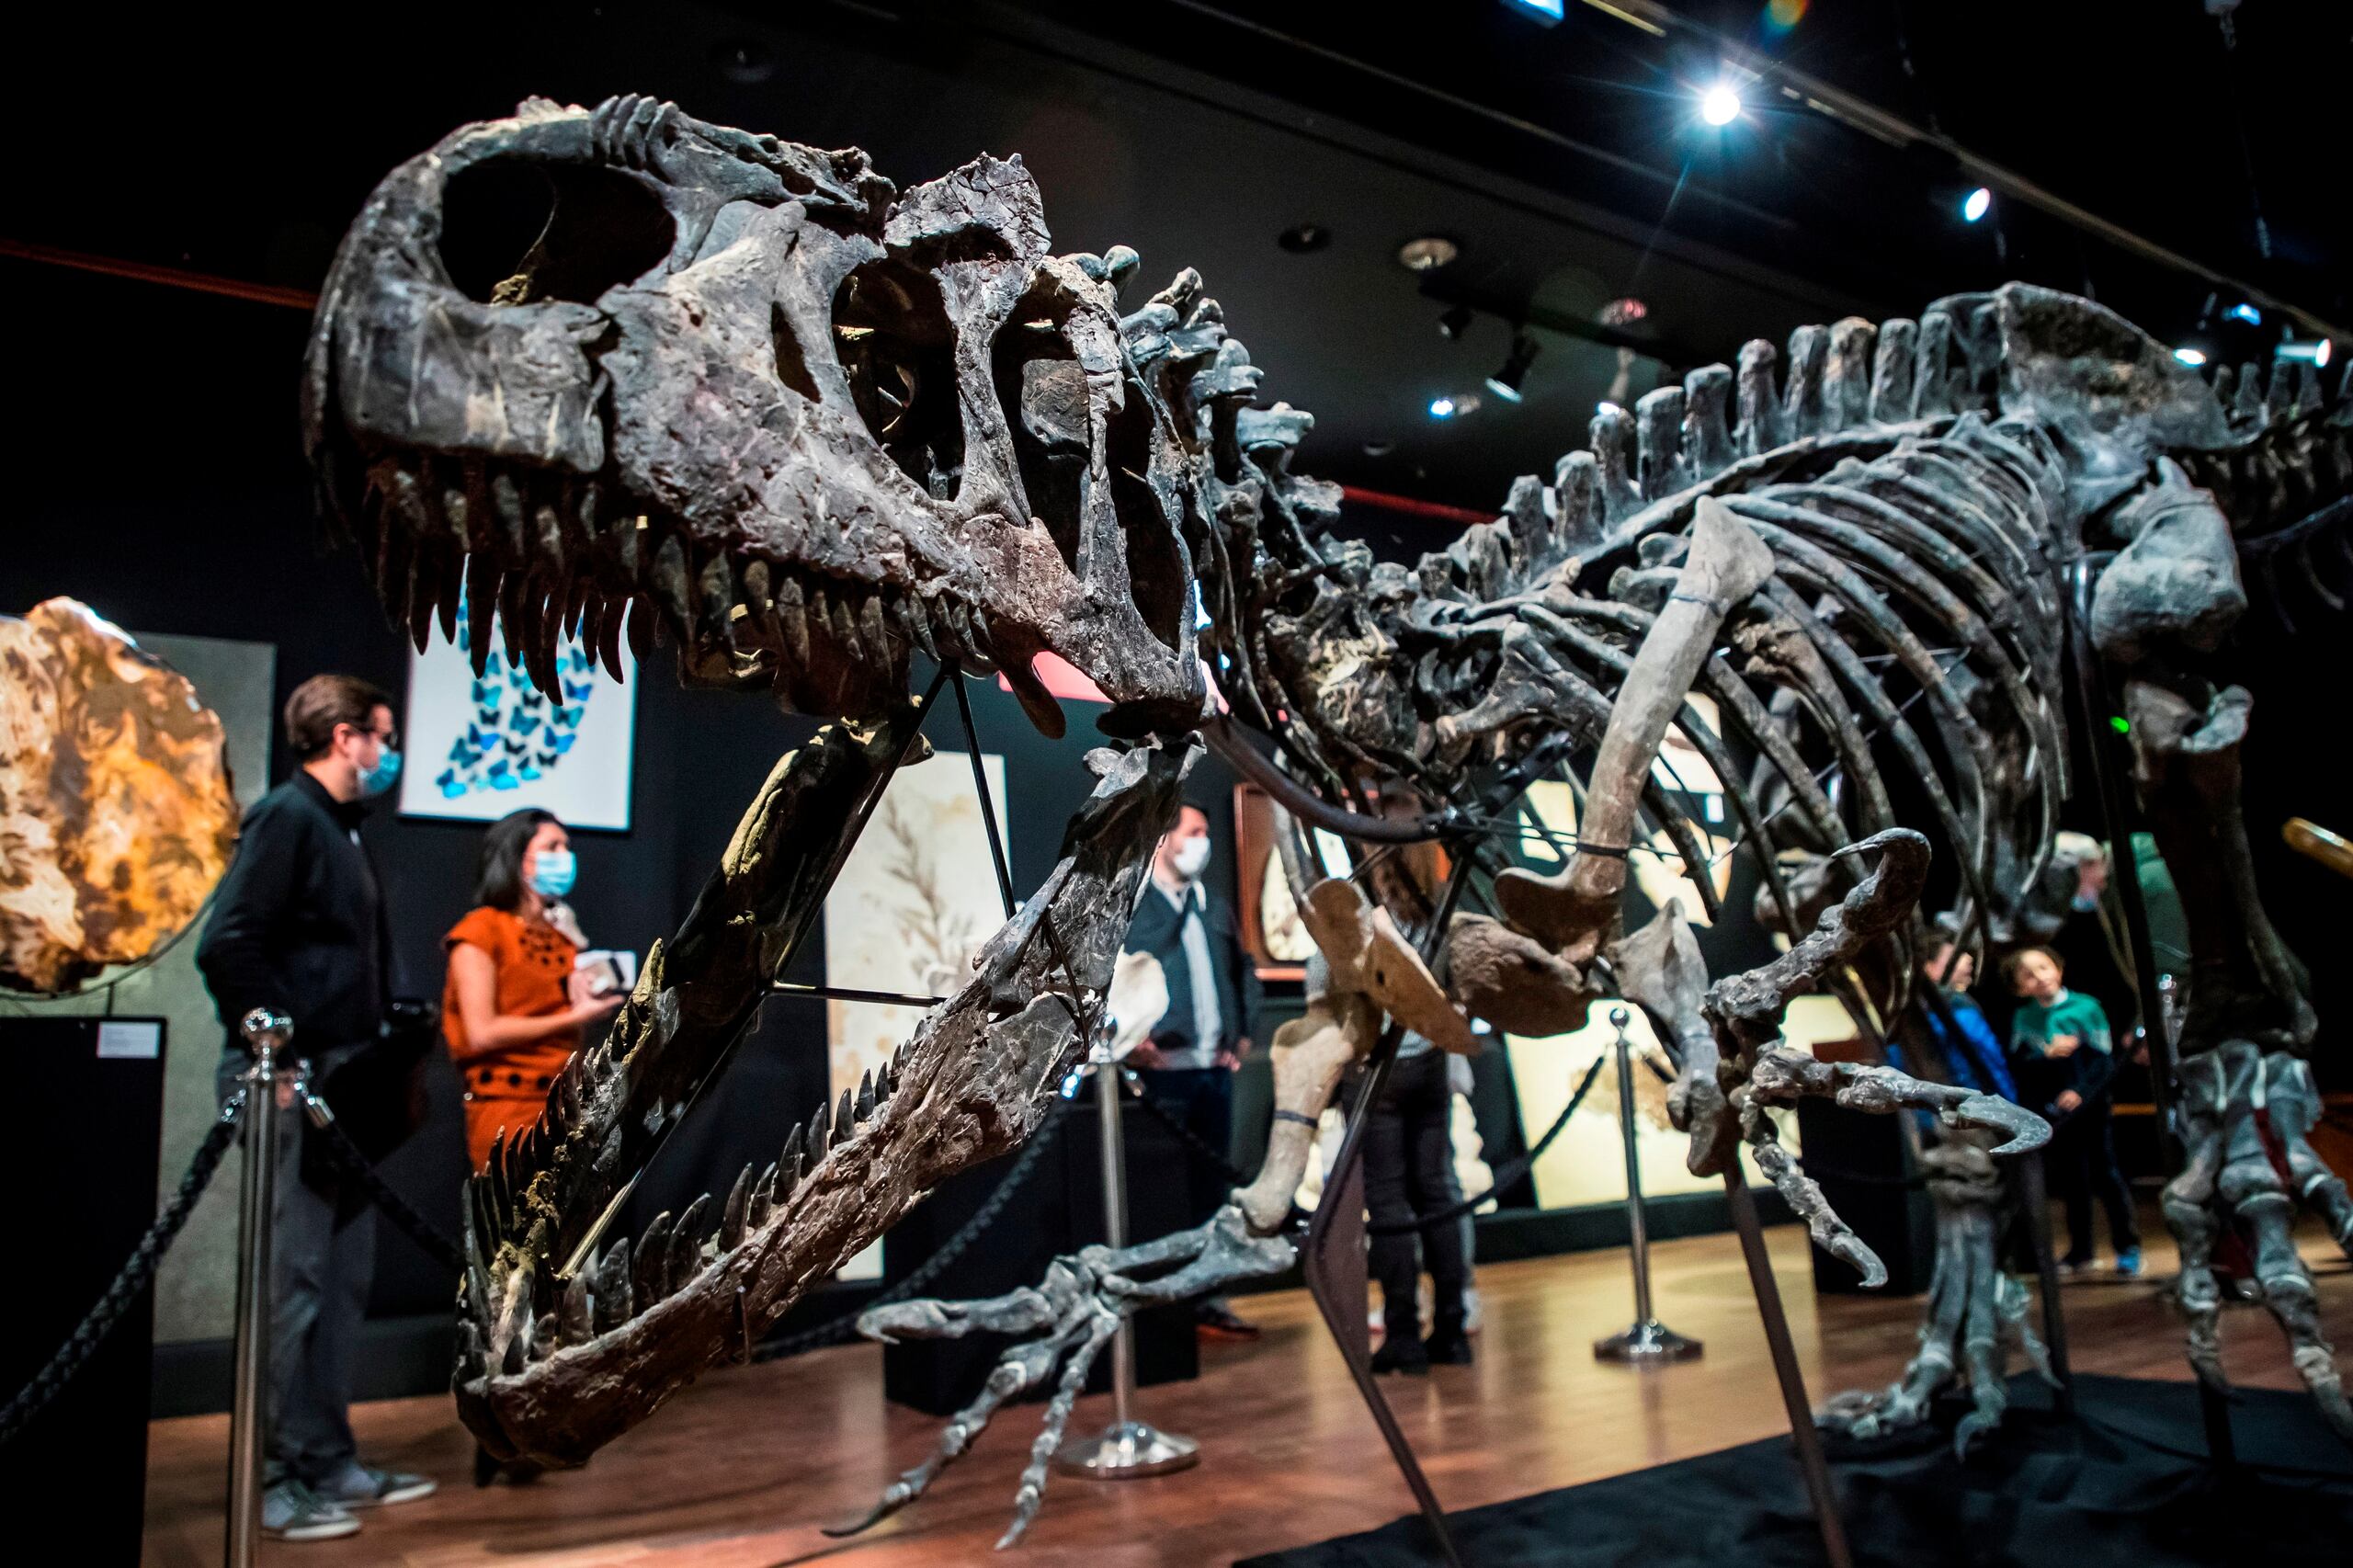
(554, 872)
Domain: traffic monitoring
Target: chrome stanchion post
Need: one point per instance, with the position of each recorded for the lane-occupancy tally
(265, 1034)
(1128, 1448)
(1648, 1340)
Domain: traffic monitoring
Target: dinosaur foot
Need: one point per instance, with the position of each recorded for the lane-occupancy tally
(1063, 1321)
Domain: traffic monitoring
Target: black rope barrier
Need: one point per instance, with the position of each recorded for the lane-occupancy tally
(137, 1274)
(420, 1230)
(1513, 1169)
(1195, 1144)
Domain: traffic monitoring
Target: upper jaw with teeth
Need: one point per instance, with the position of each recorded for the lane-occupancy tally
(736, 389)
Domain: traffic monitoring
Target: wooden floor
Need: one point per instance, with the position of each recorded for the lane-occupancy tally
(741, 1470)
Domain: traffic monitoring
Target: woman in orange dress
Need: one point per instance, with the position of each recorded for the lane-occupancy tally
(512, 1011)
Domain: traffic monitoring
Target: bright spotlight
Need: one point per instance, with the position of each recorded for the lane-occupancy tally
(1720, 105)
(2243, 312)
(1976, 204)
(1441, 408)
(2317, 354)
(2190, 357)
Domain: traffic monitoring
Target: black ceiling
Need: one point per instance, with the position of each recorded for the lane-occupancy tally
(1565, 161)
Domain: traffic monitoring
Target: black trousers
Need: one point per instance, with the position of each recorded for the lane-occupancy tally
(321, 1263)
(1409, 1172)
(1201, 1100)
(2082, 1163)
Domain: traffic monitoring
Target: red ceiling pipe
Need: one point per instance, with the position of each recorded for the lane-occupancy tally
(1436, 510)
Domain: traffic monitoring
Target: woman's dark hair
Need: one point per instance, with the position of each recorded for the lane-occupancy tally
(499, 880)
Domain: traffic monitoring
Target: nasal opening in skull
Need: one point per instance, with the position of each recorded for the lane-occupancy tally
(897, 346)
(516, 231)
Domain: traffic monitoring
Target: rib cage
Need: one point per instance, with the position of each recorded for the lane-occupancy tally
(1910, 646)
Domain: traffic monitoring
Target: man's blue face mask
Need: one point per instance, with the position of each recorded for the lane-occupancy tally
(383, 776)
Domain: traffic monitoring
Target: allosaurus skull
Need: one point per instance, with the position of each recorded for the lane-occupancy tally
(807, 423)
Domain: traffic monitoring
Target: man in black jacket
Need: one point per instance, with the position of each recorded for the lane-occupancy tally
(1187, 1064)
(299, 927)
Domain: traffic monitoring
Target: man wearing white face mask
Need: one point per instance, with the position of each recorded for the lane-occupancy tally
(297, 926)
(1188, 1062)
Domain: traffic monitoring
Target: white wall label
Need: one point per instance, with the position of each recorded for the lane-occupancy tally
(134, 1040)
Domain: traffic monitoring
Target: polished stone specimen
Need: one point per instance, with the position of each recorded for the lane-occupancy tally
(117, 818)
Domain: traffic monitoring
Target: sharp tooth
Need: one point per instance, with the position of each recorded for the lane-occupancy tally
(790, 1167)
(763, 1198)
(649, 1273)
(754, 578)
(670, 588)
(613, 1297)
(918, 624)
(548, 639)
(544, 1337)
(845, 1122)
(576, 600)
(567, 1099)
(424, 591)
(685, 1244)
(577, 1320)
(643, 617)
(592, 622)
(501, 1204)
(471, 1363)
(512, 592)
(864, 1112)
(842, 617)
(819, 1126)
(547, 534)
(872, 629)
(739, 1202)
(715, 600)
(483, 1217)
(517, 1348)
(791, 614)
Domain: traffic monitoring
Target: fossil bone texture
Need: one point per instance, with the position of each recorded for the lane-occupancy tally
(747, 395)
(116, 817)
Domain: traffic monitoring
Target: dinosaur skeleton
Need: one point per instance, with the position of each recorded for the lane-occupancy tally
(748, 396)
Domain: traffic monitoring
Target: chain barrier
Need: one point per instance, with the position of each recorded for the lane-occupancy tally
(842, 1329)
(137, 1274)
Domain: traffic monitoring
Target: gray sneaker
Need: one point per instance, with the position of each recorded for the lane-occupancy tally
(291, 1511)
(357, 1486)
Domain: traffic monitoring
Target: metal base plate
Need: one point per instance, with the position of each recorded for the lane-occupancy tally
(1648, 1343)
(1126, 1451)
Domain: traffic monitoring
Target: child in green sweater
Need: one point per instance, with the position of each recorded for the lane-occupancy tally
(2061, 1041)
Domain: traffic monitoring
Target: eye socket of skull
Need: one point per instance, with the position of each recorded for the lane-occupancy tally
(897, 346)
(517, 232)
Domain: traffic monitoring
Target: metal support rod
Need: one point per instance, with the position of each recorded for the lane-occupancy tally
(1802, 1433)
(1649, 1341)
(2035, 1195)
(1128, 1448)
(2124, 875)
(988, 807)
(266, 1035)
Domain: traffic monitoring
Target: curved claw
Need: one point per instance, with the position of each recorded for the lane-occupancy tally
(874, 1516)
(2027, 1131)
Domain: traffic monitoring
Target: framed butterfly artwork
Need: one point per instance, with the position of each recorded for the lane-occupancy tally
(482, 745)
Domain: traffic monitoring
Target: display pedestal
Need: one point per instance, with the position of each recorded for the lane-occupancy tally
(1059, 1209)
(82, 1165)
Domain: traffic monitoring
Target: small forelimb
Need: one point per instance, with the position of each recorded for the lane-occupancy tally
(1781, 1076)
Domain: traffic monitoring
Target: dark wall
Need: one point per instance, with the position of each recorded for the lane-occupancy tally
(160, 479)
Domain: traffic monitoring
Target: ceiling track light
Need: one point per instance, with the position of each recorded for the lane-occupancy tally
(1976, 204)
(1505, 382)
(1427, 253)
